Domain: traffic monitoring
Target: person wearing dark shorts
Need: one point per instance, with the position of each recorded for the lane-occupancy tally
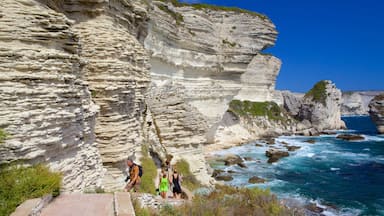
(176, 179)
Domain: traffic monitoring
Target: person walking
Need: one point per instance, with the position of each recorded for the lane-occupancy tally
(176, 181)
(134, 177)
(163, 186)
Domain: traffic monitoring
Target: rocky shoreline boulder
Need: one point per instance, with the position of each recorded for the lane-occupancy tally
(376, 111)
(275, 154)
(350, 137)
(256, 180)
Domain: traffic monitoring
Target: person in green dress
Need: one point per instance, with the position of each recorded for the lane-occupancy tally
(163, 186)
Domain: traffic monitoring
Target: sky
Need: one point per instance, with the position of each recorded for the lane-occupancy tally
(339, 40)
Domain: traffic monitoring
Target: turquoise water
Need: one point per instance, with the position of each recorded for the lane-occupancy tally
(344, 177)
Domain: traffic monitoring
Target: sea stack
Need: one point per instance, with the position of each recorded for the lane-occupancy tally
(376, 111)
(321, 106)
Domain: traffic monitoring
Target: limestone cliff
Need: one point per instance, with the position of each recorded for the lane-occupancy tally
(46, 105)
(376, 110)
(356, 103)
(73, 90)
(214, 54)
(75, 77)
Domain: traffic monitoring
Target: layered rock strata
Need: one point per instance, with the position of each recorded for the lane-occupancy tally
(60, 73)
(46, 106)
(212, 53)
(376, 111)
(180, 127)
(356, 103)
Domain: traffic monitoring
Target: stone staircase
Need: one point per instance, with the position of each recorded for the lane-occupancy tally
(116, 204)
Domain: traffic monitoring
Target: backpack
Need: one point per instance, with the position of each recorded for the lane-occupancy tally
(140, 170)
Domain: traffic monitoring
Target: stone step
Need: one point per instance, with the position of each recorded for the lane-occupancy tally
(26, 207)
(81, 205)
(123, 204)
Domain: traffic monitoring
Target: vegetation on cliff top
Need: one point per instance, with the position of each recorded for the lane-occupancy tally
(319, 92)
(248, 108)
(226, 200)
(18, 184)
(216, 7)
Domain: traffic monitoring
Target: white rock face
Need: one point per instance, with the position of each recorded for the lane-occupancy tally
(376, 110)
(356, 103)
(73, 90)
(258, 82)
(46, 105)
(323, 115)
(180, 127)
(213, 54)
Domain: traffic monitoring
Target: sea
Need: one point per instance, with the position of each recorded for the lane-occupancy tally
(342, 177)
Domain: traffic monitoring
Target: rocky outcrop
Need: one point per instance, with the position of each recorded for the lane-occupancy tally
(376, 110)
(356, 103)
(321, 107)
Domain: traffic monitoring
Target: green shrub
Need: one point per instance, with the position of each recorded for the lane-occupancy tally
(18, 184)
(226, 200)
(3, 135)
(318, 93)
(245, 108)
(189, 180)
(149, 175)
(139, 211)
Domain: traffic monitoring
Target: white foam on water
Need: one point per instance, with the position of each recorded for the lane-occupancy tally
(334, 169)
(373, 138)
(367, 149)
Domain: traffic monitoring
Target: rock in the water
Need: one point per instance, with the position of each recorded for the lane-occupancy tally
(259, 145)
(242, 165)
(217, 172)
(350, 137)
(311, 141)
(314, 208)
(376, 111)
(224, 178)
(274, 155)
(292, 148)
(321, 106)
(232, 160)
(328, 132)
(256, 180)
(248, 158)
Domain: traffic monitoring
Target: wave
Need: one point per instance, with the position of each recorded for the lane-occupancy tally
(373, 138)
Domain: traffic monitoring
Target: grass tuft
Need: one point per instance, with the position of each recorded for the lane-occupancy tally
(189, 180)
(319, 92)
(3, 135)
(245, 108)
(149, 175)
(18, 184)
(227, 201)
